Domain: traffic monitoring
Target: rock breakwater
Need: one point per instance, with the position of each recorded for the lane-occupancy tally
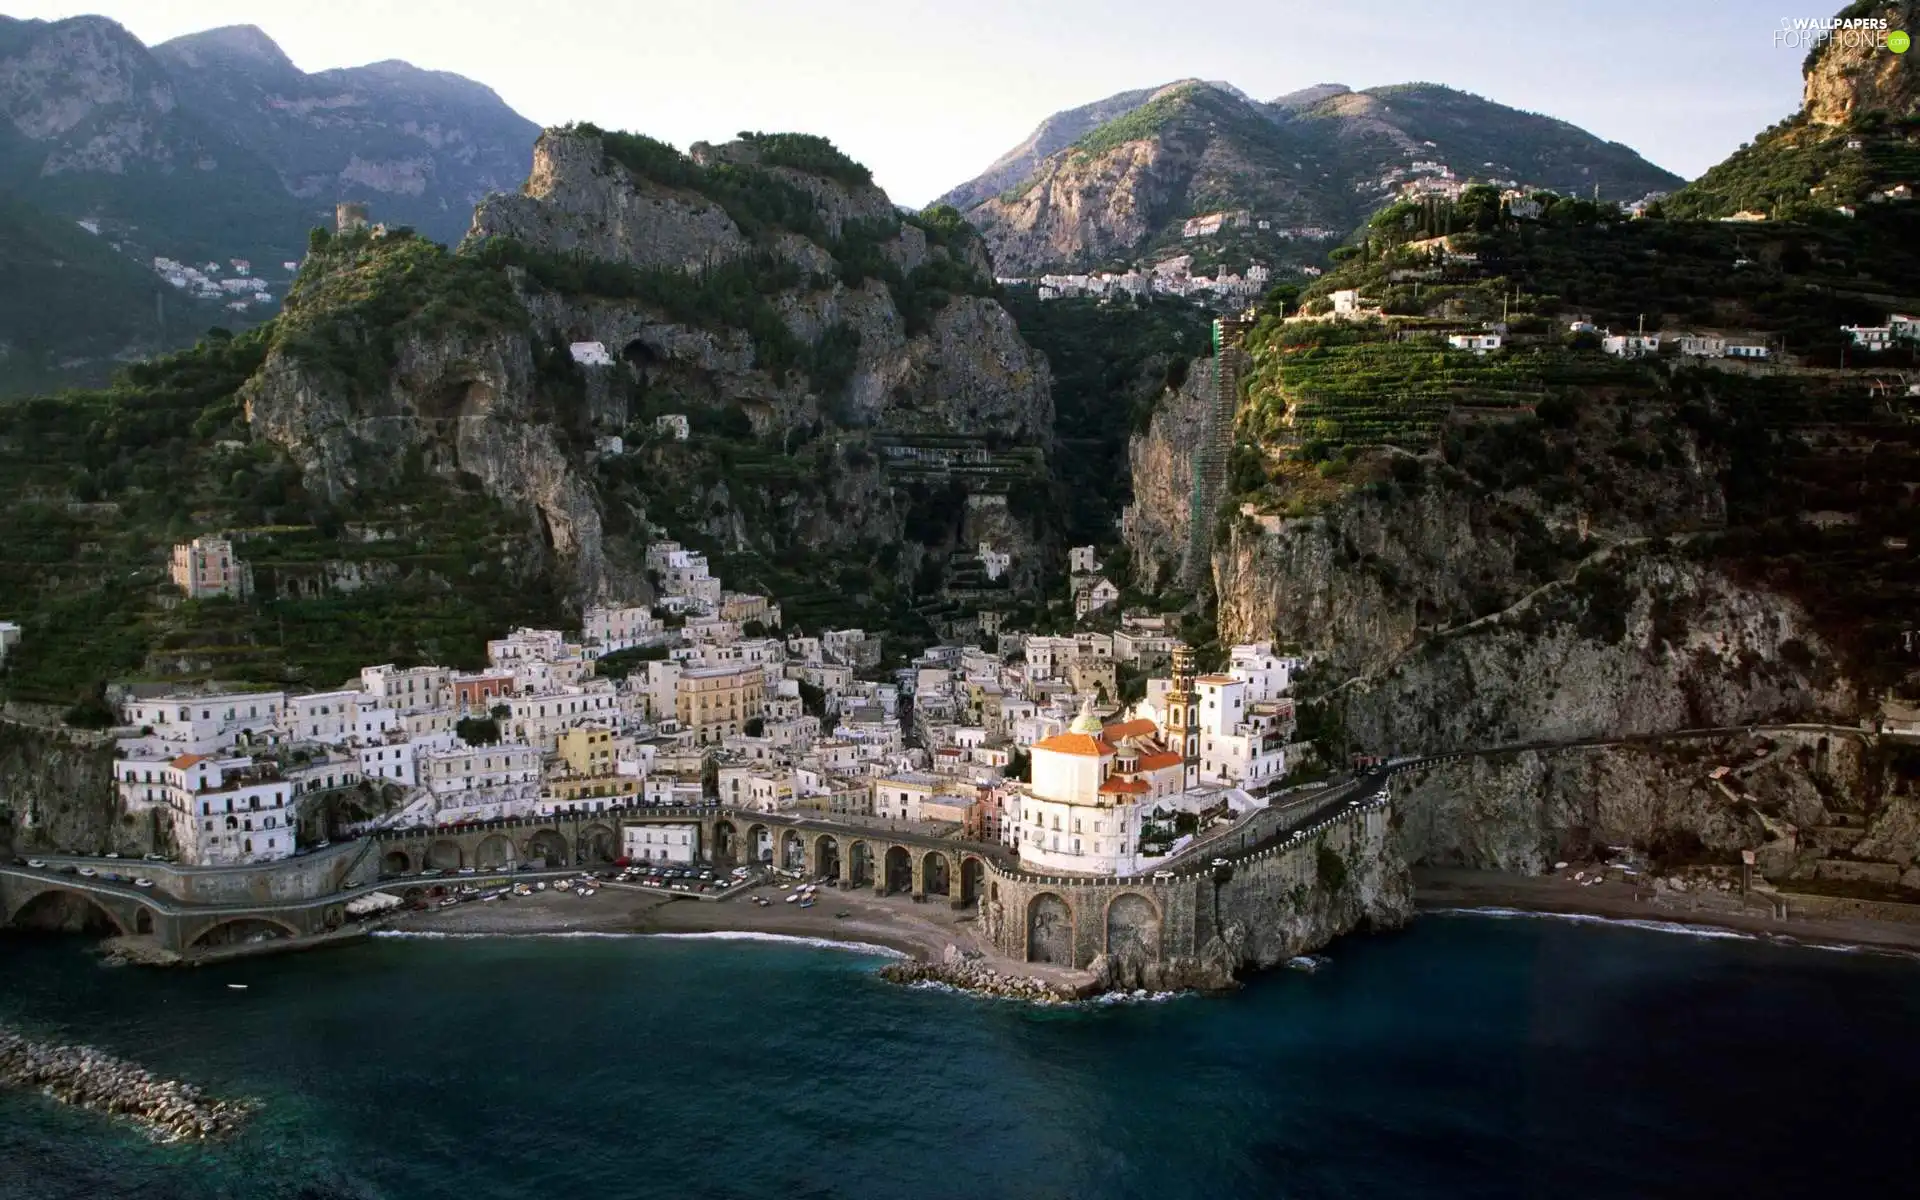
(970, 973)
(166, 1110)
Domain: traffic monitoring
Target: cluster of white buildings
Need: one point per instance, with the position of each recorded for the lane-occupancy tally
(1900, 327)
(235, 283)
(1169, 277)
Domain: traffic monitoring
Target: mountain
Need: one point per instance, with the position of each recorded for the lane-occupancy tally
(74, 307)
(94, 128)
(1549, 543)
(215, 145)
(412, 454)
(1120, 178)
(423, 147)
(1053, 135)
(1852, 138)
(210, 148)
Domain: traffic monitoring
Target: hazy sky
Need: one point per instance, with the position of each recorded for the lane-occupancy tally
(927, 93)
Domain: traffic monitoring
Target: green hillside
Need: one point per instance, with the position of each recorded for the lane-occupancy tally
(72, 305)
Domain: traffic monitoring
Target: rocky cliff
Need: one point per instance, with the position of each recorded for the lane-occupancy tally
(814, 338)
(1849, 77)
(1157, 526)
(56, 790)
(1119, 179)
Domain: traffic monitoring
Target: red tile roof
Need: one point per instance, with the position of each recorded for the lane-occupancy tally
(187, 760)
(1074, 743)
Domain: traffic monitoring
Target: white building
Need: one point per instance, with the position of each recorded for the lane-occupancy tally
(200, 724)
(1477, 343)
(1092, 789)
(218, 812)
(1268, 676)
(660, 843)
(1630, 345)
(1241, 744)
(612, 629)
(481, 783)
(406, 690)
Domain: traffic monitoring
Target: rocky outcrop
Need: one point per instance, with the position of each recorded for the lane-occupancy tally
(576, 200)
(1852, 75)
(57, 787)
(1810, 804)
(462, 405)
(1157, 525)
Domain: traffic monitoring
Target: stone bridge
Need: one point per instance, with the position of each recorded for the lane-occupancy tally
(44, 899)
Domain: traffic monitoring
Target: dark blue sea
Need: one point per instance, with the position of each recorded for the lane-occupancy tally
(1463, 1057)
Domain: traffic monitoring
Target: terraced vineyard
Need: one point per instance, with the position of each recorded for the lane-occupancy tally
(1317, 398)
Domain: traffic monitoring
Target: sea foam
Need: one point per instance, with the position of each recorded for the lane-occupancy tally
(717, 935)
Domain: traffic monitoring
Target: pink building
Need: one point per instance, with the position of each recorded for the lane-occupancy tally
(207, 566)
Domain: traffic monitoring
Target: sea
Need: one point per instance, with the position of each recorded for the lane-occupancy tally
(1469, 1055)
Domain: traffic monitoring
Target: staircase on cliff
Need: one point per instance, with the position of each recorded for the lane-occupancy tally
(1216, 443)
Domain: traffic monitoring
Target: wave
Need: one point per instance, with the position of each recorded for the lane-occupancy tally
(717, 935)
(1101, 1000)
(1680, 927)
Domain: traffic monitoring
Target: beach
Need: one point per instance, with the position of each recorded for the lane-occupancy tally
(1436, 889)
(922, 930)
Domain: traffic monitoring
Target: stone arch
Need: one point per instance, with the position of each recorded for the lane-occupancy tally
(143, 920)
(793, 851)
(1133, 928)
(549, 846)
(395, 862)
(936, 876)
(1049, 930)
(898, 866)
(726, 844)
(972, 871)
(445, 855)
(826, 856)
(597, 845)
(242, 930)
(754, 835)
(860, 864)
(494, 852)
(58, 910)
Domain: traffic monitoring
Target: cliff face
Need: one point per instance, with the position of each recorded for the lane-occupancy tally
(1848, 78)
(462, 405)
(1812, 805)
(57, 789)
(1157, 525)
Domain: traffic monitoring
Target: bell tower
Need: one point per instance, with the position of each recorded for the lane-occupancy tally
(1182, 721)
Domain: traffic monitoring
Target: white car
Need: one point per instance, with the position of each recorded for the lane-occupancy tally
(1162, 876)
(1221, 862)
(88, 872)
(37, 864)
(143, 883)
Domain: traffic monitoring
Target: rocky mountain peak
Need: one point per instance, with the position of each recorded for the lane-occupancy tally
(1846, 77)
(230, 47)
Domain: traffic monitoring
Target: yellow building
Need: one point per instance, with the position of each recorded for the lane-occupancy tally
(586, 751)
(716, 702)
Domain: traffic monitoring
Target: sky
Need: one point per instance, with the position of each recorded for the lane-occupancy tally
(928, 94)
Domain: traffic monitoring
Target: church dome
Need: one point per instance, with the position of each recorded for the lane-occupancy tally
(1086, 722)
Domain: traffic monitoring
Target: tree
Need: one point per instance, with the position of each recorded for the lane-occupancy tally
(1020, 766)
(478, 731)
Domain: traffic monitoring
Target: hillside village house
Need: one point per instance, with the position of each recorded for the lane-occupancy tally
(413, 689)
(621, 628)
(482, 783)
(1477, 343)
(216, 811)
(208, 567)
(715, 702)
(201, 724)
